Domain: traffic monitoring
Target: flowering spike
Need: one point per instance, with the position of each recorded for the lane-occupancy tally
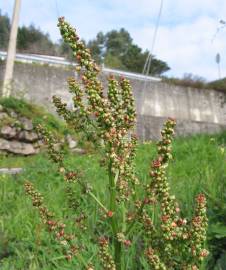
(177, 242)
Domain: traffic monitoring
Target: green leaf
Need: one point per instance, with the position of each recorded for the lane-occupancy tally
(221, 262)
(219, 230)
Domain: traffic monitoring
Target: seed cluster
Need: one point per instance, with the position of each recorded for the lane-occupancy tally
(112, 117)
(154, 260)
(105, 257)
(53, 226)
(180, 236)
(198, 231)
(108, 120)
(55, 155)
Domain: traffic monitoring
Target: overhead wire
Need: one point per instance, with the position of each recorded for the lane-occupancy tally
(149, 58)
(57, 9)
(219, 28)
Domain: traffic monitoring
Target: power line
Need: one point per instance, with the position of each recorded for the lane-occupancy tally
(148, 62)
(57, 9)
(219, 28)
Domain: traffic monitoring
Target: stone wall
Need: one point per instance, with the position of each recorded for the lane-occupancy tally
(196, 110)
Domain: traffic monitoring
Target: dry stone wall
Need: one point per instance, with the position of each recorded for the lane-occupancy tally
(17, 135)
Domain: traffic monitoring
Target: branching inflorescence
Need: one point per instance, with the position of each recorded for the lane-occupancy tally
(169, 241)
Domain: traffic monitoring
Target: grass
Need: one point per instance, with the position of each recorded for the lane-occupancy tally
(198, 165)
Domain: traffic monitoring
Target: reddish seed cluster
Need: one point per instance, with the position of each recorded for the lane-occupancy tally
(80, 221)
(122, 103)
(105, 257)
(198, 229)
(122, 239)
(89, 70)
(71, 117)
(54, 154)
(72, 199)
(71, 176)
(55, 227)
(154, 260)
(114, 115)
(110, 214)
(147, 223)
(178, 233)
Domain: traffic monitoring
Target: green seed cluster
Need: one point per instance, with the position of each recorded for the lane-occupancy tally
(50, 141)
(114, 115)
(159, 186)
(179, 236)
(128, 104)
(154, 260)
(89, 71)
(73, 118)
(105, 257)
(122, 102)
(122, 239)
(198, 230)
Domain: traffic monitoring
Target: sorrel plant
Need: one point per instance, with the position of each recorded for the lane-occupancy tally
(167, 240)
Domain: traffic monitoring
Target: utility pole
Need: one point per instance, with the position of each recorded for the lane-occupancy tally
(7, 83)
(218, 60)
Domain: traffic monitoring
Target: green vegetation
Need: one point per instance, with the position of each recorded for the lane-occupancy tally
(116, 50)
(129, 218)
(4, 30)
(198, 165)
(30, 39)
(38, 115)
(218, 84)
(190, 80)
(130, 214)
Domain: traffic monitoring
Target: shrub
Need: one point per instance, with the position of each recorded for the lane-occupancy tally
(140, 222)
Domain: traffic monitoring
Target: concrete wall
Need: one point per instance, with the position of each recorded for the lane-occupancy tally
(196, 110)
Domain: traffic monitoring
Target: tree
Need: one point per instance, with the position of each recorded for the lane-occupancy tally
(134, 59)
(64, 50)
(29, 39)
(117, 50)
(33, 40)
(114, 62)
(97, 46)
(4, 30)
(118, 42)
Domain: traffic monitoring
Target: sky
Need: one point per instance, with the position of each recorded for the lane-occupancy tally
(187, 37)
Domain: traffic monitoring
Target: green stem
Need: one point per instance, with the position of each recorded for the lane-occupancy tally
(112, 182)
(135, 220)
(82, 261)
(118, 253)
(94, 197)
(98, 202)
(123, 217)
(114, 222)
